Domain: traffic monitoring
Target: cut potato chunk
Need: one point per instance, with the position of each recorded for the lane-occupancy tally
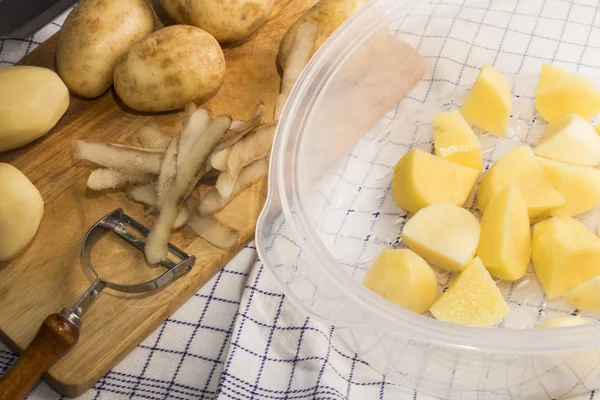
(565, 254)
(472, 299)
(455, 141)
(580, 186)
(561, 322)
(403, 278)
(488, 104)
(585, 296)
(505, 243)
(570, 139)
(421, 179)
(560, 92)
(443, 234)
(521, 167)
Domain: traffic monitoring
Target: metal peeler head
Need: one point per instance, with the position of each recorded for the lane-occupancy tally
(118, 223)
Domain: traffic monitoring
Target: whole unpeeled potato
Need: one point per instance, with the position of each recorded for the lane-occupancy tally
(95, 34)
(32, 100)
(329, 14)
(169, 69)
(227, 21)
(21, 210)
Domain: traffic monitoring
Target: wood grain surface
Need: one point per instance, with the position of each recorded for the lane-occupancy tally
(51, 274)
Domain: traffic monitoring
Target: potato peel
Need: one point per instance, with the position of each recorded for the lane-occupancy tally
(189, 171)
(168, 171)
(151, 137)
(144, 194)
(239, 129)
(219, 159)
(213, 202)
(117, 157)
(197, 123)
(225, 184)
(254, 146)
(103, 179)
(214, 231)
(302, 47)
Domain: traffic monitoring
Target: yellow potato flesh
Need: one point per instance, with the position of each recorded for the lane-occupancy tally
(585, 296)
(561, 322)
(472, 299)
(565, 254)
(443, 234)
(421, 179)
(488, 104)
(580, 186)
(21, 210)
(455, 141)
(560, 92)
(505, 244)
(521, 167)
(403, 278)
(570, 139)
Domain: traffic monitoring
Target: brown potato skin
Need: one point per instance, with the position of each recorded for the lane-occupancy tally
(227, 21)
(95, 34)
(330, 14)
(171, 67)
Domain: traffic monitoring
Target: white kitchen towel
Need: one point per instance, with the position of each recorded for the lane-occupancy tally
(239, 337)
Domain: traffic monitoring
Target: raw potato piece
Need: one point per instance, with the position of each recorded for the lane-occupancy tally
(585, 296)
(488, 104)
(505, 243)
(21, 210)
(455, 141)
(33, 100)
(570, 139)
(403, 278)
(472, 299)
(560, 92)
(421, 179)
(443, 234)
(565, 254)
(562, 322)
(521, 167)
(580, 186)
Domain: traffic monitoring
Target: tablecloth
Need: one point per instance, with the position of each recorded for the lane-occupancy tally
(239, 337)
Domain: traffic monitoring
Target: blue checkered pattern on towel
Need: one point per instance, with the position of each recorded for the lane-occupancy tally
(239, 337)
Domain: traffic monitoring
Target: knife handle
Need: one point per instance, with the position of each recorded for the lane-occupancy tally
(53, 340)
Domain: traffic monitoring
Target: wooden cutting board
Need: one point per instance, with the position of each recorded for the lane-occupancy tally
(51, 275)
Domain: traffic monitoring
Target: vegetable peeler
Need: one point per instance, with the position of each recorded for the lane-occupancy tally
(60, 331)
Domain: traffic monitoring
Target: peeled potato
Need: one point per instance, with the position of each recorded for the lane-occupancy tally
(32, 100)
(585, 296)
(561, 322)
(329, 14)
(443, 234)
(565, 254)
(505, 244)
(227, 21)
(170, 68)
(472, 299)
(421, 179)
(21, 210)
(521, 167)
(560, 92)
(455, 141)
(488, 104)
(570, 139)
(403, 278)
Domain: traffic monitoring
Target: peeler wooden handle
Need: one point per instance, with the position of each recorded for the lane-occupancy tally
(54, 339)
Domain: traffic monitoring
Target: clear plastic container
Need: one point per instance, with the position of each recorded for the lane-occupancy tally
(330, 210)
